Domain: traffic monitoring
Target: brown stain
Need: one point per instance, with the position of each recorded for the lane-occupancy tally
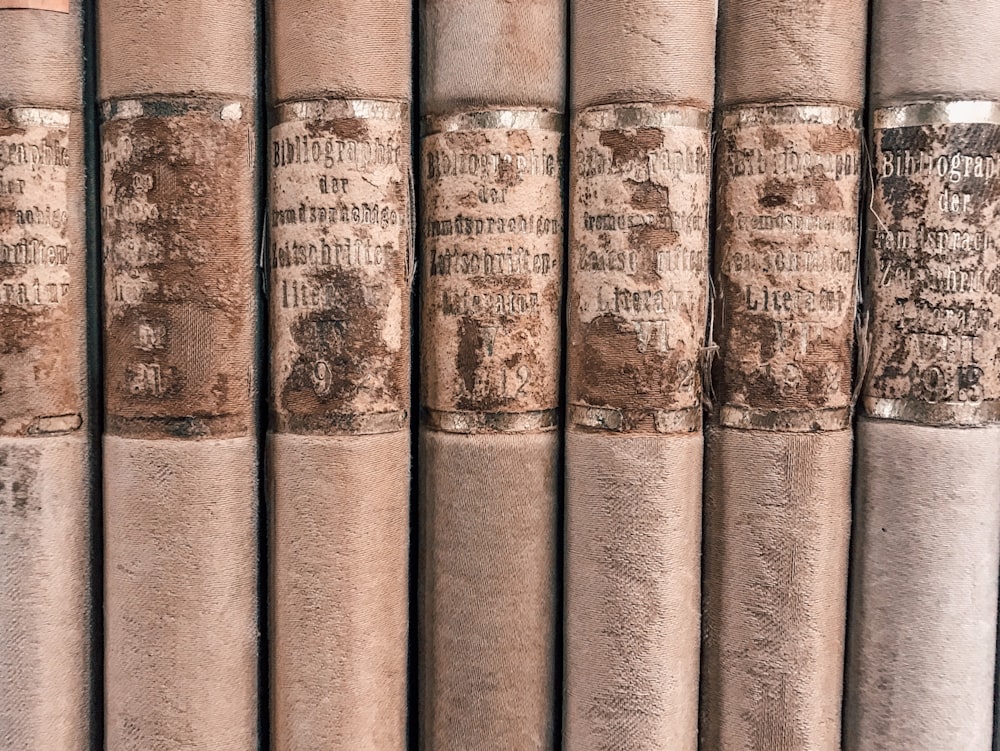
(833, 140)
(631, 145)
(202, 280)
(347, 128)
(19, 494)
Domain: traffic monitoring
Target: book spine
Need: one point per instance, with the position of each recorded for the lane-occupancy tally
(339, 264)
(46, 578)
(921, 665)
(778, 479)
(640, 169)
(178, 91)
(491, 281)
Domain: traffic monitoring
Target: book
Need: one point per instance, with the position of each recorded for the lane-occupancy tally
(778, 466)
(642, 81)
(178, 89)
(491, 168)
(47, 571)
(339, 268)
(926, 556)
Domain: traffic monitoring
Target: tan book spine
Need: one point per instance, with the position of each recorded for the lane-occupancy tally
(493, 80)
(46, 577)
(339, 265)
(926, 556)
(778, 476)
(642, 81)
(177, 88)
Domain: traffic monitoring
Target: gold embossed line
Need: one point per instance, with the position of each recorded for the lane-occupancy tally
(664, 421)
(132, 109)
(36, 116)
(625, 117)
(356, 109)
(742, 116)
(959, 112)
(498, 119)
(491, 422)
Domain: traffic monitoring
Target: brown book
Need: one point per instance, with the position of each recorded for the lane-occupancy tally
(926, 554)
(642, 80)
(492, 80)
(339, 265)
(778, 466)
(177, 89)
(45, 448)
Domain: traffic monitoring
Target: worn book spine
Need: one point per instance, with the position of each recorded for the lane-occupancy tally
(178, 97)
(778, 466)
(45, 479)
(493, 90)
(338, 282)
(642, 82)
(926, 555)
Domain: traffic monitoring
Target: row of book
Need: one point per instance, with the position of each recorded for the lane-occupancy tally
(706, 451)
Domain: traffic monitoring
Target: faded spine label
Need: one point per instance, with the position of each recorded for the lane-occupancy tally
(492, 270)
(178, 214)
(638, 263)
(338, 266)
(786, 266)
(933, 278)
(41, 269)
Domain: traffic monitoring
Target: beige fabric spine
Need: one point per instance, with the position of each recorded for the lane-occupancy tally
(181, 515)
(339, 504)
(487, 593)
(633, 499)
(46, 609)
(777, 504)
(922, 630)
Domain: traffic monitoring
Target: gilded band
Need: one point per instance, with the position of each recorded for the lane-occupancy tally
(937, 113)
(499, 119)
(357, 109)
(491, 422)
(789, 421)
(618, 117)
(27, 116)
(965, 414)
(131, 109)
(616, 420)
(791, 114)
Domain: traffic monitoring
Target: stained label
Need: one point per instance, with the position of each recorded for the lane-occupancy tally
(41, 272)
(638, 265)
(786, 266)
(492, 271)
(933, 279)
(179, 244)
(338, 265)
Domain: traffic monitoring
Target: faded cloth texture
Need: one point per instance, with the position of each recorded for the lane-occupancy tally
(181, 589)
(777, 523)
(343, 48)
(633, 528)
(775, 51)
(643, 51)
(46, 581)
(179, 47)
(339, 510)
(487, 591)
(492, 53)
(934, 49)
(924, 588)
(45, 594)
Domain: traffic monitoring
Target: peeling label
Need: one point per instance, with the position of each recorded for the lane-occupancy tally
(639, 192)
(41, 272)
(933, 278)
(179, 244)
(338, 266)
(492, 271)
(786, 266)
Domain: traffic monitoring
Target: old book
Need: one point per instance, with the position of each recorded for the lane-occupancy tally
(778, 466)
(642, 82)
(927, 549)
(492, 77)
(178, 102)
(339, 267)
(46, 565)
